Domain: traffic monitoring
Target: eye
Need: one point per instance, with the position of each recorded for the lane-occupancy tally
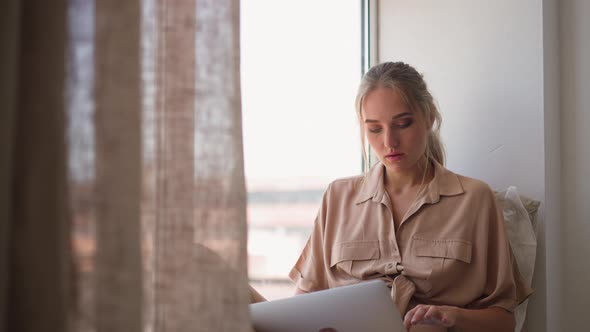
(405, 123)
(374, 130)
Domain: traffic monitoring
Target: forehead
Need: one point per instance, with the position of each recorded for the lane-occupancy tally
(384, 103)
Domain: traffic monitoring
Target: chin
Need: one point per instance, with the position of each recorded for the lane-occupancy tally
(395, 166)
(399, 166)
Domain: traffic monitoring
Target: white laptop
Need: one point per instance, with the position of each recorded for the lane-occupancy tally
(366, 306)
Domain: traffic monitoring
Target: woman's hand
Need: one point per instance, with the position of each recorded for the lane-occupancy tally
(492, 319)
(431, 315)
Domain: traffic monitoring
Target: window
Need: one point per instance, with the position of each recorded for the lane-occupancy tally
(301, 65)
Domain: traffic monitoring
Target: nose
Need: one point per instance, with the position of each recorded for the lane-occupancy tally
(391, 139)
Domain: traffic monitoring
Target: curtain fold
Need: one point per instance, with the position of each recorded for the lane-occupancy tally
(201, 201)
(37, 248)
(176, 276)
(220, 197)
(117, 122)
(9, 28)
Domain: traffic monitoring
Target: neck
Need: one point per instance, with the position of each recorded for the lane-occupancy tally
(400, 182)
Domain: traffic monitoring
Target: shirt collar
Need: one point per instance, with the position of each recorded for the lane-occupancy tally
(372, 183)
(444, 183)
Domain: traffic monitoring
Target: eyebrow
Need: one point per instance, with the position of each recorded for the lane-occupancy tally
(401, 115)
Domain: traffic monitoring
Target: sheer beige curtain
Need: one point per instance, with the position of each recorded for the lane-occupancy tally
(123, 202)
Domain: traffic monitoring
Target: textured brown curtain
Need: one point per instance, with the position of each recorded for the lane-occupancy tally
(122, 197)
(34, 238)
(117, 123)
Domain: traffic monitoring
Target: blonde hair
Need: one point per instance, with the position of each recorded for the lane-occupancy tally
(411, 85)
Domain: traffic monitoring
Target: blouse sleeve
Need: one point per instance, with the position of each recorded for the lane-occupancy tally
(504, 286)
(309, 272)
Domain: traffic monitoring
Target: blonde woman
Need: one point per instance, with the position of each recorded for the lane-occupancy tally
(435, 236)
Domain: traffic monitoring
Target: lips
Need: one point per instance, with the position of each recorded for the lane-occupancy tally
(394, 156)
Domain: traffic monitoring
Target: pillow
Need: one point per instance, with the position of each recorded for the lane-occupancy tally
(520, 218)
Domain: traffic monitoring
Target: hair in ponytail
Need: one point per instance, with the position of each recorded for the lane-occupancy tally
(412, 87)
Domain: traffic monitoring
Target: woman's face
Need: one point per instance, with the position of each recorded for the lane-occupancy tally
(396, 133)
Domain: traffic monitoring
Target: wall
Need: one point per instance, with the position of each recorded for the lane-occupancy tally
(552, 203)
(484, 62)
(575, 146)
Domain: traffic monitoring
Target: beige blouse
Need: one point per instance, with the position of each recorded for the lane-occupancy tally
(451, 248)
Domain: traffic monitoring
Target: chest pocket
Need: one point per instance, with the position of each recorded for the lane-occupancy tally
(355, 258)
(446, 259)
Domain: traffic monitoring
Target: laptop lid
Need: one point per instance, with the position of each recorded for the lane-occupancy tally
(365, 306)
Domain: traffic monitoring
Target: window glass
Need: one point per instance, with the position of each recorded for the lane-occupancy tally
(301, 65)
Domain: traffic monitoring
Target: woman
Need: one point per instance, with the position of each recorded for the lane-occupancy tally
(437, 237)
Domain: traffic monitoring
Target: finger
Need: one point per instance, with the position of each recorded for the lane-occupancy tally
(433, 315)
(419, 315)
(408, 318)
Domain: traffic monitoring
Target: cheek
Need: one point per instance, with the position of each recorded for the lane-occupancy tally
(373, 142)
(415, 139)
